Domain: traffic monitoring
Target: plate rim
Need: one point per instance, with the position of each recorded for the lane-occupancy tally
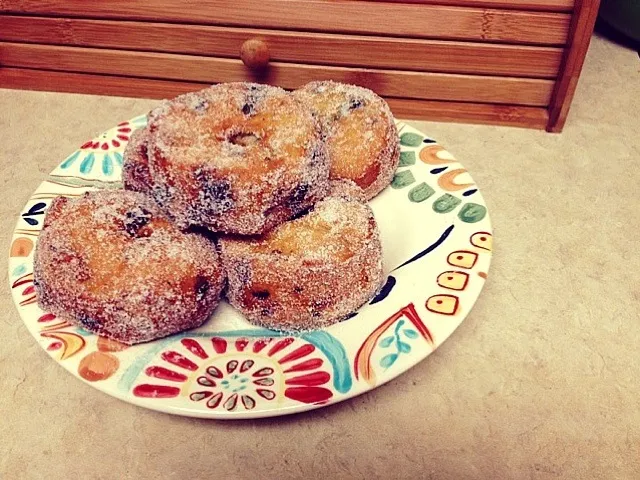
(283, 409)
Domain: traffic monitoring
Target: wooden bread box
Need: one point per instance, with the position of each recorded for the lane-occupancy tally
(507, 62)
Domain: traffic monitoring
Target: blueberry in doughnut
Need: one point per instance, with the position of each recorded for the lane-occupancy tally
(362, 139)
(112, 263)
(236, 158)
(311, 271)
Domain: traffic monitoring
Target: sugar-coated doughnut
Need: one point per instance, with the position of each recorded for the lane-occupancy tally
(135, 167)
(112, 263)
(236, 158)
(311, 271)
(362, 139)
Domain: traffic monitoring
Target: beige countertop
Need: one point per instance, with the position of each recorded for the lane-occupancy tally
(540, 381)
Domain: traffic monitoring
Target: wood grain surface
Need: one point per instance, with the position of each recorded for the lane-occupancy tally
(536, 5)
(420, 85)
(392, 19)
(299, 47)
(27, 79)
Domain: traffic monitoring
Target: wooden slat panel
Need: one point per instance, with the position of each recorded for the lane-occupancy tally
(300, 47)
(581, 29)
(510, 115)
(534, 5)
(50, 81)
(434, 86)
(422, 21)
(532, 117)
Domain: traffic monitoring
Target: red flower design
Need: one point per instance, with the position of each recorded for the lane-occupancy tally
(104, 142)
(239, 374)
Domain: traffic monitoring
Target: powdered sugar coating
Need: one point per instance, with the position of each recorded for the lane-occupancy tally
(362, 139)
(236, 158)
(309, 272)
(112, 263)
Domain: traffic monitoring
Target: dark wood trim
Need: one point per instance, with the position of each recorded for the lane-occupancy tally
(580, 31)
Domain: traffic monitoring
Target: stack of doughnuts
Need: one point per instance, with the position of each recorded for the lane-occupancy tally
(240, 184)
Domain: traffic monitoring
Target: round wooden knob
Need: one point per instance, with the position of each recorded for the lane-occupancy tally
(255, 53)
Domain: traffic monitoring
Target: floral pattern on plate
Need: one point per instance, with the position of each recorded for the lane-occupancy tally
(437, 243)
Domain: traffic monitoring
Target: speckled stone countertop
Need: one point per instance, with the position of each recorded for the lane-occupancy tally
(540, 381)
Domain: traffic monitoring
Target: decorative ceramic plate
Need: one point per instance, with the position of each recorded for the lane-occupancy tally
(436, 238)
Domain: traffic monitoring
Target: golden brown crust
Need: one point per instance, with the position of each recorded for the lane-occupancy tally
(112, 263)
(362, 139)
(135, 166)
(236, 158)
(309, 272)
